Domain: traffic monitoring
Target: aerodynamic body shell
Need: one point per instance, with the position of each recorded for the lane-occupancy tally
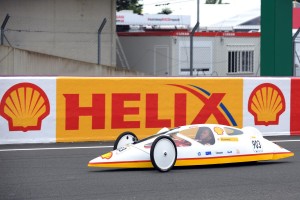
(225, 145)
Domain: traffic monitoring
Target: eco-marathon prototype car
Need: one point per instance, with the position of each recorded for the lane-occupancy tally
(201, 144)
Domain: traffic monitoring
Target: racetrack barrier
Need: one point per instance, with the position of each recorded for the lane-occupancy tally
(75, 109)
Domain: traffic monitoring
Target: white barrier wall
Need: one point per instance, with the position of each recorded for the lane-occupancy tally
(22, 107)
(271, 99)
(74, 109)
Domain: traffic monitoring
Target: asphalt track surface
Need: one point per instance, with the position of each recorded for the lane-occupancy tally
(59, 171)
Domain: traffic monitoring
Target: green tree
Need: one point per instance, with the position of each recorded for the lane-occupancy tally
(165, 11)
(213, 1)
(130, 5)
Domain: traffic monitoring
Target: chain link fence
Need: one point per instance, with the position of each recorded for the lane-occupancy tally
(227, 54)
(215, 53)
(297, 53)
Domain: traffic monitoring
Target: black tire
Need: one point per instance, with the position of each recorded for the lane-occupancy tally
(163, 149)
(132, 138)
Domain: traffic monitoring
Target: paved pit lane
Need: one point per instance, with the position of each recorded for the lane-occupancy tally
(59, 171)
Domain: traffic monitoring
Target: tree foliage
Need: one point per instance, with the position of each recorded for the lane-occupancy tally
(165, 11)
(130, 5)
(213, 1)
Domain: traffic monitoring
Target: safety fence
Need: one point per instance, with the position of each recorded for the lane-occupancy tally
(70, 38)
(296, 41)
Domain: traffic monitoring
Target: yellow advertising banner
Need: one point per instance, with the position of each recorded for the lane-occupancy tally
(99, 109)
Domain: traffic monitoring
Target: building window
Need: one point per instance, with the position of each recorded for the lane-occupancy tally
(241, 61)
(202, 58)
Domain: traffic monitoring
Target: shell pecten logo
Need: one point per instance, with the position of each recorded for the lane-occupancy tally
(219, 130)
(266, 103)
(107, 155)
(24, 106)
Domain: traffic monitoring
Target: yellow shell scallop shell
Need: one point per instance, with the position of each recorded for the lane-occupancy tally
(24, 106)
(266, 103)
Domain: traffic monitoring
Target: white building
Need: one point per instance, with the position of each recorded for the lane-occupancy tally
(164, 53)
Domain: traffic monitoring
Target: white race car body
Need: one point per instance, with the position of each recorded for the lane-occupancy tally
(229, 145)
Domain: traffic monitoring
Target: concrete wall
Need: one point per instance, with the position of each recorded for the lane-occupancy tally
(22, 62)
(65, 28)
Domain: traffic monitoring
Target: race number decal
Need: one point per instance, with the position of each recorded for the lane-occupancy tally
(122, 149)
(257, 147)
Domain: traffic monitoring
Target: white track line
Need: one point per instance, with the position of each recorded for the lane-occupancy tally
(99, 147)
(57, 148)
(285, 141)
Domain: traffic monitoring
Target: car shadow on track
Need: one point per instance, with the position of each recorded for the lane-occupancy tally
(232, 165)
(215, 166)
(103, 170)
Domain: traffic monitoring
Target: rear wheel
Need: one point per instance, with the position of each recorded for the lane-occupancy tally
(125, 139)
(163, 153)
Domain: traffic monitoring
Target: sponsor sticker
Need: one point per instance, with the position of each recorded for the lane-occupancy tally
(121, 149)
(107, 155)
(208, 153)
(219, 130)
(257, 147)
(229, 139)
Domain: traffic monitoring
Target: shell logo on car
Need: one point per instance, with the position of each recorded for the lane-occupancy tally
(107, 155)
(219, 130)
(266, 103)
(24, 106)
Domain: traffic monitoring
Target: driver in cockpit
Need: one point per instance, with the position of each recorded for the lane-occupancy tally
(205, 136)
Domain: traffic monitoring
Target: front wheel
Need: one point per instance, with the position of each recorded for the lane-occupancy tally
(125, 139)
(163, 153)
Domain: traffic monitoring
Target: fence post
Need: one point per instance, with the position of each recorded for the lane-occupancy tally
(192, 48)
(3, 27)
(99, 40)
